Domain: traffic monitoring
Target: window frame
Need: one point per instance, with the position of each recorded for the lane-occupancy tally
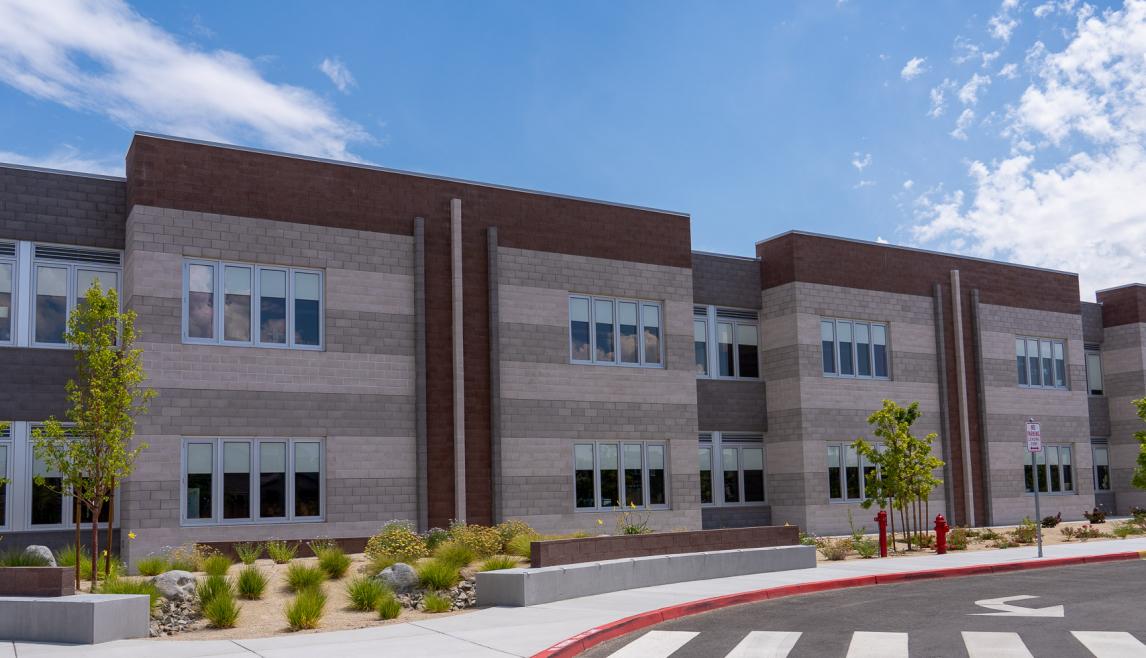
(255, 507)
(836, 373)
(1040, 342)
(712, 320)
(615, 302)
(861, 464)
(717, 443)
(1094, 448)
(8, 444)
(218, 296)
(1097, 355)
(14, 303)
(71, 295)
(1046, 468)
(622, 498)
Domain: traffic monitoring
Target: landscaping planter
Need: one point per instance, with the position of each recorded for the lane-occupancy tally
(37, 581)
(591, 549)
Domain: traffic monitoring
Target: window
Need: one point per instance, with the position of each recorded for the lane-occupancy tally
(261, 306)
(604, 330)
(705, 458)
(1054, 467)
(5, 473)
(740, 466)
(252, 480)
(7, 296)
(700, 345)
(848, 472)
(61, 277)
(612, 475)
(853, 349)
(1094, 373)
(736, 348)
(1040, 363)
(1101, 468)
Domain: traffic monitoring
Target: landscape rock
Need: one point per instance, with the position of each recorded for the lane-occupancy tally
(171, 617)
(42, 551)
(401, 577)
(175, 585)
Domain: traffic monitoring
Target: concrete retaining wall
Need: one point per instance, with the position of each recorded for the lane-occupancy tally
(79, 619)
(554, 552)
(520, 587)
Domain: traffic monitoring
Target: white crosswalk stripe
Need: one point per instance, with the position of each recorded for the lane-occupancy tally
(655, 644)
(995, 645)
(878, 645)
(765, 644)
(1110, 645)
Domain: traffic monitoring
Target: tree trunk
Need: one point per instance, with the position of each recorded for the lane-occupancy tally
(891, 517)
(76, 517)
(110, 526)
(95, 550)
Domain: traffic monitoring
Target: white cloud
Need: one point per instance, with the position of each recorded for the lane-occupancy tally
(1002, 25)
(1085, 206)
(881, 240)
(862, 184)
(1009, 71)
(105, 58)
(969, 93)
(915, 67)
(861, 161)
(338, 73)
(939, 98)
(962, 123)
(908, 184)
(68, 158)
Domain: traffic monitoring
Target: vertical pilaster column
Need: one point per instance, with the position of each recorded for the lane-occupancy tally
(494, 379)
(459, 365)
(420, 436)
(961, 376)
(944, 410)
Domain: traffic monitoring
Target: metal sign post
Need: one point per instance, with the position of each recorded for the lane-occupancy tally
(1034, 446)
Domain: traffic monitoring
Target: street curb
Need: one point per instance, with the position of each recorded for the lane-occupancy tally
(575, 645)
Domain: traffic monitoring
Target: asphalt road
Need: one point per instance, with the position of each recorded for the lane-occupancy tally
(931, 617)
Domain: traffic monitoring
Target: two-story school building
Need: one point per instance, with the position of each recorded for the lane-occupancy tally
(337, 345)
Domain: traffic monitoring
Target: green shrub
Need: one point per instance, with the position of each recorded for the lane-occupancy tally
(513, 528)
(434, 603)
(152, 565)
(248, 552)
(189, 557)
(435, 574)
(217, 565)
(865, 547)
(807, 540)
(435, 537)
(222, 611)
(301, 576)
(482, 540)
(280, 551)
(251, 582)
(398, 540)
(333, 560)
(365, 593)
(1003, 542)
(19, 558)
(957, 539)
(498, 562)
(306, 609)
(924, 540)
(520, 546)
(455, 553)
(118, 585)
(1052, 521)
(836, 549)
(67, 556)
(1124, 530)
(375, 564)
(388, 607)
(1095, 516)
(1026, 531)
(211, 587)
(986, 534)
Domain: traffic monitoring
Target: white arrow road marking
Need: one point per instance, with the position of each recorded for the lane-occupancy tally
(878, 645)
(765, 644)
(1110, 645)
(1005, 610)
(655, 644)
(995, 645)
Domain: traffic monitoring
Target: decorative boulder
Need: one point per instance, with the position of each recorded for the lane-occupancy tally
(42, 551)
(401, 577)
(175, 585)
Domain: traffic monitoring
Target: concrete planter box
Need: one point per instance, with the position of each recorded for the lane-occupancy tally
(77, 619)
(587, 549)
(37, 581)
(519, 587)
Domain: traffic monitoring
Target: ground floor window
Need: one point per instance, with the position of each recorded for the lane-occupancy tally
(731, 469)
(1054, 468)
(611, 475)
(252, 480)
(847, 473)
(1101, 468)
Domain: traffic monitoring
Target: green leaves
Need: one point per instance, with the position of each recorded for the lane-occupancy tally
(1140, 472)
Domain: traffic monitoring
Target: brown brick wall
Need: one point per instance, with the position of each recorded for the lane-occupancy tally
(591, 549)
(1125, 305)
(32, 387)
(725, 281)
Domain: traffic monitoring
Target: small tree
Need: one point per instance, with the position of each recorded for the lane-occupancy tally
(95, 453)
(1140, 471)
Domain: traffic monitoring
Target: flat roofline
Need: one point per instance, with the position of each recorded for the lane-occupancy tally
(732, 256)
(403, 172)
(62, 172)
(1125, 285)
(917, 250)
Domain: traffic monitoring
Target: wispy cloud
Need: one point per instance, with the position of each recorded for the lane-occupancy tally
(908, 184)
(969, 93)
(862, 184)
(962, 123)
(103, 57)
(939, 98)
(1002, 25)
(68, 158)
(861, 161)
(915, 67)
(338, 73)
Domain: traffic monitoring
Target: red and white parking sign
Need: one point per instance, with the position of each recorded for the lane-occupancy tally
(1034, 437)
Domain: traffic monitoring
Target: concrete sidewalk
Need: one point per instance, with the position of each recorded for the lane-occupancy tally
(525, 631)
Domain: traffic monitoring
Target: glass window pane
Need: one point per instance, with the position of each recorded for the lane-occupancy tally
(1021, 360)
(627, 321)
(656, 468)
(1094, 373)
(603, 330)
(307, 479)
(1101, 469)
(272, 306)
(847, 366)
(634, 488)
(272, 480)
(835, 491)
(1048, 365)
(200, 465)
(863, 350)
(200, 301)
(51, 304)
(705, 458)
(700, 345)
(3, 485)
(651, 320)
(1033, 362)
(579, 328)
(1028, 472)
(747, 343)
(828, 346)
(852, 472)
(108, 281)
(236, 480)
(724, 349)
(729, 464)
(1053, 465)
(1041, 469)
(237, 304)
(608, 463)
(583, 475)
(307, 308)
(6, 275)
(879, 349)
(1059, 365)
(753, 464)
(1067, 469)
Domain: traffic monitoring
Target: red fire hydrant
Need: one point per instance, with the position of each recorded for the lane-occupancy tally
(881, 519)
(940, 534)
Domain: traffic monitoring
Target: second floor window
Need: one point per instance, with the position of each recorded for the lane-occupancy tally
(1094, 373)
(734, 352)
(612, 331)
(7, 292)
(264, 306)
(1040, 363)
(1101, 468)
(854, 349)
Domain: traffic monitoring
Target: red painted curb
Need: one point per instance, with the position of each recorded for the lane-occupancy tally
(583, 641)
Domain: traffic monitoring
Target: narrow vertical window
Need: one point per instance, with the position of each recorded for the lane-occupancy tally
(1021, 360)
(628, 325)
(835, 491)
(1048, 363)
(863, 349)
(307, 479)
(51, 304)
(3, 485)
(730, 466)
(47, 501)
(847, 365)
(705, 458)
(868, 471)
(236, 480)
(7, 274)
(603, 330)
(828, 346)
(724, 349)
(700, 345)
(608, 463)
(272, 480)
(1054, 466)
(753, 465)
(1028, 473)
(1033, 362)
(200, 467)
(879, 349)
(651, 320)
(200, 301)
(583, 475)
(747, 344)
(852, 472)
(307, 309)
(237, 304)
(1101, 468)
(1041, 470)
(1094, 373)
(579, 328)
(272, 306)
(1067, 469)
(656, 468)
(1059, 365)
(634, 487)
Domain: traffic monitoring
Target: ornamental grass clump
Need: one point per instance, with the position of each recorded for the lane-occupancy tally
(18, 558)
(217, 565)
(434, 603)
(331, 558)
(305, 610)
(513, 528)
(388, 606)
(455, 553)
(398, 540)
(211, 587)
(521, 546)
(301, 576)
(365, 593)
(280, 551)
(436, 574)
(498, 562)
(251, 583)
(119, 585)
(222, 611)
(152, 565)
(248, 552)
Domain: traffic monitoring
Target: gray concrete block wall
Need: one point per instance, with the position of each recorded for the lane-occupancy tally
(76, 209)
(1124, 363)
(728, 281)
(731, 406)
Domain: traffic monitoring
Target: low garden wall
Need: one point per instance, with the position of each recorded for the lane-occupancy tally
(590, 549)
(37, 581)
(77, 619)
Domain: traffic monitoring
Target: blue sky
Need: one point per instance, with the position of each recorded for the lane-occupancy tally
(755, 118)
